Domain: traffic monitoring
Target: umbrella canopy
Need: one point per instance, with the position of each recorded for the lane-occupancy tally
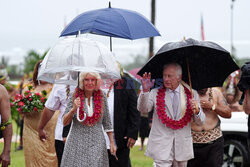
(209, 63)
(113, 22)
(72, 55)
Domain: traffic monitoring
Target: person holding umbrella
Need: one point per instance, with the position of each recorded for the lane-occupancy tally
(208, 141)
(170, 141)
(85, 144)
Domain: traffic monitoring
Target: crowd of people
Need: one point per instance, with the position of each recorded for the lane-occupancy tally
(92, 126)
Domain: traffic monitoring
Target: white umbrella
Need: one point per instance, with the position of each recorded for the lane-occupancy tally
(72, 55)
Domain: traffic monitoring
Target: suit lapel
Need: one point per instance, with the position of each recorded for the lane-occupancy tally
(169, 104)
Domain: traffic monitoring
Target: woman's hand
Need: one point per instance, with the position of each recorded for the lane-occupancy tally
(113, 150)
(76, 104)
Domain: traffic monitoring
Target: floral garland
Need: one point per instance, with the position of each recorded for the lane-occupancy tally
(90, 121)
(173, 124)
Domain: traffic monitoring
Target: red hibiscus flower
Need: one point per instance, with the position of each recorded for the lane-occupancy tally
(20, 103)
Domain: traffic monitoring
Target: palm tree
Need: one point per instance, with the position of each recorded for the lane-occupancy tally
(4, 61)
(31, 59)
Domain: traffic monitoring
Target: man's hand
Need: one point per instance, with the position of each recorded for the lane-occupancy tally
(131, 142)
(64, 139)
(5, 159)
(195, 107)
(146, 82)
(42, 135)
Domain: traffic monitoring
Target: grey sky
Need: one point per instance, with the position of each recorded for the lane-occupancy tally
(36, 24)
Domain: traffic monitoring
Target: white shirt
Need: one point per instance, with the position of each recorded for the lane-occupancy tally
(58, 101)
(89, 107)
(110, 101)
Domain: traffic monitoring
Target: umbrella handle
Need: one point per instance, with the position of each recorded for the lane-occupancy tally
(77, 116)
(189, 78)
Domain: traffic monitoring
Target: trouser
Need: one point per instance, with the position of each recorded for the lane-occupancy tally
(208, 154)
(59, 145)
(171, 162)
(123, 158)
(248, 144)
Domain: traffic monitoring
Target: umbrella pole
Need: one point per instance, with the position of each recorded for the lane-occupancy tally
(78, 84)
(110, 43)
(189, 78)
(110, 38)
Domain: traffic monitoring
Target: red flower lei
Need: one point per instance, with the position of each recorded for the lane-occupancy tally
(90, 121)
(173, 124)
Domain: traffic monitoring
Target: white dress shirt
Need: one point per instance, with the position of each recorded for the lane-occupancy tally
(110, 101)
(58, 101)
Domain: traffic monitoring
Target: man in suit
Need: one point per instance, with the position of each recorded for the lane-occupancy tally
(122, 102)
(170, 143)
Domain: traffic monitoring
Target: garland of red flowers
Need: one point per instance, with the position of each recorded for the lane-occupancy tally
(90, 121)
(173, 124)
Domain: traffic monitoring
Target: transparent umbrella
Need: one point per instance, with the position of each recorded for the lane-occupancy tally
(72, 55)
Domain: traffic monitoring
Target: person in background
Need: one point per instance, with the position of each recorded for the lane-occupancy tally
(244, 86)
(208, 140)
(57, 100)
(38, 153)
(4, 81)
(232, 92)
(125, 118)
(6, 126)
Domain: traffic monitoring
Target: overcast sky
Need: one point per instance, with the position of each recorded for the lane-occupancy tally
(36, 24)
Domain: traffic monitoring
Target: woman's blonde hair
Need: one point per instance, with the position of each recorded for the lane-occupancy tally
(83, 76)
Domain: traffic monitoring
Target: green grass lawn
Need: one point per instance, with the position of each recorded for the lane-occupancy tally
(138, 159)
(17, 158)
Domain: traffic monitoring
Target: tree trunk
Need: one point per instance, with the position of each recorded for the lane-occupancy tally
(151, 40)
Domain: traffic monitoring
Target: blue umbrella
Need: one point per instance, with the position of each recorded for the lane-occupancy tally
(112, 22)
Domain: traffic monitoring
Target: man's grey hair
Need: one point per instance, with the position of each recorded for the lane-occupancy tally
(177, 66)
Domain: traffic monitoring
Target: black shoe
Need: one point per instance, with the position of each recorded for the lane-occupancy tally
(19, 148)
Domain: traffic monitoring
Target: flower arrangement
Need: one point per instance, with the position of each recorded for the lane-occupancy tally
(29, 101)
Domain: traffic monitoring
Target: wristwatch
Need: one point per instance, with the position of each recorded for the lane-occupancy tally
(213, 107)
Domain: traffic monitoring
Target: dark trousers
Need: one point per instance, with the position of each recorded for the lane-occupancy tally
(59, 145)
(208, 154)
(123, 158)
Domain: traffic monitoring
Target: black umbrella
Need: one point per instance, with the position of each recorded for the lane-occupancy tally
(207, 63)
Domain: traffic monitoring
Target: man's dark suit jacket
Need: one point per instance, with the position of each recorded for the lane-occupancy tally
(126, 115)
